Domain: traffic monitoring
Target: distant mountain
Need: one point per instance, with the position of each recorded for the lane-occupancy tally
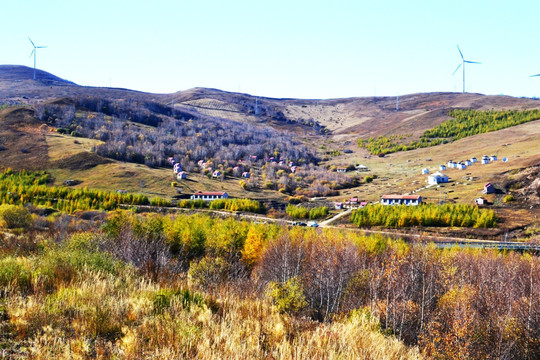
(20, 73)
(347, 118)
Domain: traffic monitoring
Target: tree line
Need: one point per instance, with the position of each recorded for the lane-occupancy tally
(27, 187)
(464, 123)
(460, 215)
(302, 212)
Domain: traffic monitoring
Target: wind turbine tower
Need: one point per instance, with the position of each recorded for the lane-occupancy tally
(34, 53)
(463, 62)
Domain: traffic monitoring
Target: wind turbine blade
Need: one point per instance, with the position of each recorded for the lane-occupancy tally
(40, 47)
(31, 42)
(32, 53)
(460, 53)
(456, 69)
(471, 62)
(534, 75)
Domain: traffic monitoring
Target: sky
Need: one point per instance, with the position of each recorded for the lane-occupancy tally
(298, 49)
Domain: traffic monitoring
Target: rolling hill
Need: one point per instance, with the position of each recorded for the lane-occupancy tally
(344, 118)
(298, 129)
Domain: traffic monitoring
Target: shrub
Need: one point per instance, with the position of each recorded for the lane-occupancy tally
(288, 297)
(508, 198)
(15, 273)
(15, 216)
(209, 271)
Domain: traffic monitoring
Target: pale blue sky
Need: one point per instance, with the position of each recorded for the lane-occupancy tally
(304, 49)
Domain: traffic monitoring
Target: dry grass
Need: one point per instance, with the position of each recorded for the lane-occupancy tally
(96, 314)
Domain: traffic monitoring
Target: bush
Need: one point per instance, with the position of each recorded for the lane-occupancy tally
(288, 297)
(209, 271)
(15, 273)
(13, 216)
(508, 198)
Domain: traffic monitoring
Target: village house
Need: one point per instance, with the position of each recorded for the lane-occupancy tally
(410, 200)
(480, 201)
(488, 189)
(209, 196)
(216, 174)
(361, 168)
(338, 206)
(485, 161)
(425, 171)
(473, 160)
(442, 167)
(493, 158)
(437, 178)
(341, 169)
(181, 175)
(177, 168)
(354, 203)
(246, 175)
(461, 166)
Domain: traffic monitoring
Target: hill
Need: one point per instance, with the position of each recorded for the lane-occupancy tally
(120, 139)
(346, 118)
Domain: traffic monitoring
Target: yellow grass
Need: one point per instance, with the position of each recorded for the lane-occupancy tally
(244, 328)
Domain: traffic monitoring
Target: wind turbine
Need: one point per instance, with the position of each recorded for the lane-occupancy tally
(34, 53)
(534, 75)
(463, 62)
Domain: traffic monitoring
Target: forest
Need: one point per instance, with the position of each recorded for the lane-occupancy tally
(463, 123)
(150, 133)
(197, 286)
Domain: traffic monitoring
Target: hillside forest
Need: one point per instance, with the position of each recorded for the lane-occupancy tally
(150, 133)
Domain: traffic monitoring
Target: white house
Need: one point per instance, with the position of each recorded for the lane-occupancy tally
(410, 200)
(461, 166)
(505, 159)
(177, 168)
(181, 175)
(361, 168)
(246, 175)
(485, 161)
(493, 158)
(480, 201)
(425, 171)
(341, 170)
(209, 196)
(473, 160)
(437, 178)
(442, 167)
(468, 162)
(450, 164)
(216, 174)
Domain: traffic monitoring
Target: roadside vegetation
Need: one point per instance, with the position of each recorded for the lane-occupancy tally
(196, 286)
(464, 123)
(460, 215)
(301, 212)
